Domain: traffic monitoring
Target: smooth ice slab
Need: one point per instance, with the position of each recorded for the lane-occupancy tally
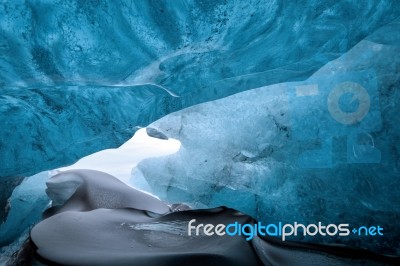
(86, 190)
(128, 236)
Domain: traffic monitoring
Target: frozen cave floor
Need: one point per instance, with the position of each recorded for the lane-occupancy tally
(99, 220)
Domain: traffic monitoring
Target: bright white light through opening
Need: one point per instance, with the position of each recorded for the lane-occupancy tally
(120, 162)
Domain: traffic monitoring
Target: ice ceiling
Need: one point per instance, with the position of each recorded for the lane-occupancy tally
(80, 76)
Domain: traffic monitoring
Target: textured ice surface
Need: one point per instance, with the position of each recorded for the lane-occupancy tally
(273, 252)
(25, 207)
(7, 186)
(77, 77)
(154, 133)
(326, 149)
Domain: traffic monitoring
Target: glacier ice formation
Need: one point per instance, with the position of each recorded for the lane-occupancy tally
(85, 76)
(288, 152)
(25, 207)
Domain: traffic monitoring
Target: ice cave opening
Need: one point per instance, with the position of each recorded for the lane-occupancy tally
(270, 111)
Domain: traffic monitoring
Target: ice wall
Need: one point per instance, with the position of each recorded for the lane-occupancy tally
(326, 149)
(75, 75)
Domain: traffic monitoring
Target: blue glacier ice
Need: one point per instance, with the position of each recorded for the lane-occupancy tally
(78, 76)
(24, 207)
(325, 149)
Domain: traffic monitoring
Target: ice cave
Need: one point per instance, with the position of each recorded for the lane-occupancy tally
(122, 121)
